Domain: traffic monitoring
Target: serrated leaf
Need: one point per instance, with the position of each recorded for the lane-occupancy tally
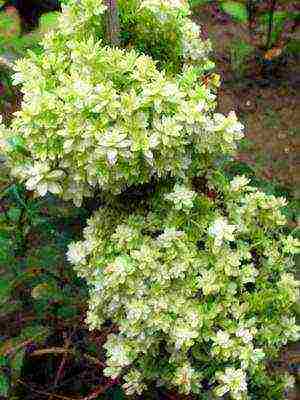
(36, 333)
(14, 214)
(236, 10)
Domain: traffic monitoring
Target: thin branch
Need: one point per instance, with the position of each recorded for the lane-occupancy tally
(60, 370)
(112, 23)
(46, 394)
(251, 15)
(270, 25)
(101, 389)
(62, 350)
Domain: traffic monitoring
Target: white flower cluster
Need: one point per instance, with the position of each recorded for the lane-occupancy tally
(182, 197)
(221, 231)
(239, 183)
(232, 381)
(159, 4)
(94, 117)
(149, 277)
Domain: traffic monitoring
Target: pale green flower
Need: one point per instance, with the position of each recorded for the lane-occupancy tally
(290, 285)
(183, 335)
(169, 236)
(290, 328)
(76, 253)
(244, 334)
(221, 231)
(185, 377)
(222, 339)
(248, 273)
(182, 197)
(289, 381)
(291, 245)
(100, 119)
(134, 383)
(233, 381)
(208, 282)
(156, 276)
(239, 183)
(118, 352)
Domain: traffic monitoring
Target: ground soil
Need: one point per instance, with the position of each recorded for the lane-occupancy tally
(266, 97)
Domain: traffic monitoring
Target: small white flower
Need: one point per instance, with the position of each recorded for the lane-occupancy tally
(169, 236)
(233, 381)
(76, 253)
(222, 339)
(182, 335)
(134, 383)
(234, 126)
(182, 197)
(200, 106)
(112, 156)
(244, 334)
(248, 273)
(221, 230)
(289, 381)
(118, 352)
(291, 245)
(239, 183)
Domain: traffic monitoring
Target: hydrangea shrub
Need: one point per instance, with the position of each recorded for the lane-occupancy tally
(197, 278)
(201, 289)
(100, 118)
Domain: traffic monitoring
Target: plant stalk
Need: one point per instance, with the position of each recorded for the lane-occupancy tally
(112, 23)
(271, 23)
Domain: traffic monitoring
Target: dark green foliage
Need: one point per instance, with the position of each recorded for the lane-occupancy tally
(237, 10)
(143, 32)
(38, 290)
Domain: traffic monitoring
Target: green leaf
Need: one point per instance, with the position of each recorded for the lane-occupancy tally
(236, 10)
(16, 364)
(67, 312)
(48, 21)
(196, 3)
(47, 291)
(4, 385)
(37, 333)
(5, 288)
(14, 214)
(9, 27)
(16, 143)
(3, 361)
